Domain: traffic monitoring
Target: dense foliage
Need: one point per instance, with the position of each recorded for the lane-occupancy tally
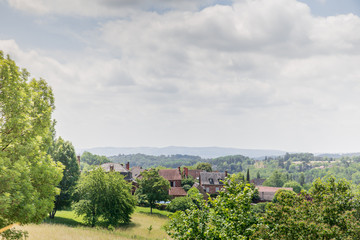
(106, 196)
(229, 216)
(28, 175)
(328, 211)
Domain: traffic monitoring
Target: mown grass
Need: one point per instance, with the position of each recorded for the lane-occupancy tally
(66, 225)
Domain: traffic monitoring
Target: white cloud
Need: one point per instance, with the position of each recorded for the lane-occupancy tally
(103, 8)
(250, 75)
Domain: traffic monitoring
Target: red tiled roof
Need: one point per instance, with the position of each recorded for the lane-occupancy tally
(195, 173)
(170, 174)
(177, 191)
(271, 189)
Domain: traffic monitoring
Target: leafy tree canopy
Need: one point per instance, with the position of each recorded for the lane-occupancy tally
(104, 195)
(204, 166)
(153, 188)
(28, 176)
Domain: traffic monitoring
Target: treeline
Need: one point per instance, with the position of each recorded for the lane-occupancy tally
(148, 161)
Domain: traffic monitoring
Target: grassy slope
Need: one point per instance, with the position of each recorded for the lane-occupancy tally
(66, 225)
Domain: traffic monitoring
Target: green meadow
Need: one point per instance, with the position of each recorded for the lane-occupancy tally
(67, 226)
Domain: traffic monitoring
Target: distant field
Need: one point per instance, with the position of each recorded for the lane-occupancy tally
(66, 226)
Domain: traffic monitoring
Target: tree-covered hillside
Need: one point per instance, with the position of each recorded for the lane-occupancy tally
(147, 161)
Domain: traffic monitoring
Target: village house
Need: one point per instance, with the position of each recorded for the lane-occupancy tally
(136, 171)
(116, 167)
(267, 194)
(212, 182)
(194, 173)
(174, 178)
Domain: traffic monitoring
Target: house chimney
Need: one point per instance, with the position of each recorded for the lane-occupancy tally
(128, 166)
(111, 168)
(225, 173)
(78, 160)
(186, 171)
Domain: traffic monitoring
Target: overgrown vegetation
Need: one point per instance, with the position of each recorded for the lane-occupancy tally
(329, 210)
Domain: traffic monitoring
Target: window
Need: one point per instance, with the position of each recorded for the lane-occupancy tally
(171, 184)
(207, 189)
(217, 189)
(211, 181)
(220, 181)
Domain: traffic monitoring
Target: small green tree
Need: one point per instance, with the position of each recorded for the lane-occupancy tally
(64, 152)
(276, 179)
(104, 195)
(153, 188)
(180, 204)
(248, 175)
(302, 179)
(187, 183)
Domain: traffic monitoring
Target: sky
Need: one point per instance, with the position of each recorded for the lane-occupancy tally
(251, 74)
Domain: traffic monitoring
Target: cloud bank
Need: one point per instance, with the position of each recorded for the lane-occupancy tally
(252, 74)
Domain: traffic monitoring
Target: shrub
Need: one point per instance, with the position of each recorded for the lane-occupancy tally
(180, 204)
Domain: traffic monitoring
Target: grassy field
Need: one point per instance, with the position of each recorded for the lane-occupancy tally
(67, 225)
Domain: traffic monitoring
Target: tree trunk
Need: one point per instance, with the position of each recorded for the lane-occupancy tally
(52, 214)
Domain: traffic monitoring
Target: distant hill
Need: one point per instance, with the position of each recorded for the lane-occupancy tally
(203, 152)
(338, 155)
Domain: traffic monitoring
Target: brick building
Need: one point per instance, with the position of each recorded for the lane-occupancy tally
(268, 193)
(174, 178)
(211, 182)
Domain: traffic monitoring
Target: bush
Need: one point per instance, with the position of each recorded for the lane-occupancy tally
(186, 187)
(180, 204)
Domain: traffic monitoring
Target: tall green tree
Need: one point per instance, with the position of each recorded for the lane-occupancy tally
(153, 188)
(28, 175)
(248, 175)
(104, 195)
(64, 152)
